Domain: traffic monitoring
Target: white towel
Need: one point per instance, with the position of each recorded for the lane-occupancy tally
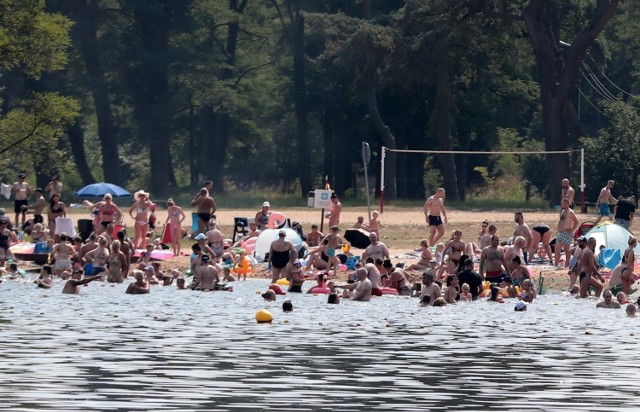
(65, 225)
(5, 190)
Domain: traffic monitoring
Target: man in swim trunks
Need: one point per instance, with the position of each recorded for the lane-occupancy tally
(624, 211)
(206, 207)
(38, 206)
(22, 193)
(567, 192)
(602, 204)
(77, 279)
(281, 252)
(522, 229)
(589, 270)
(433, 208)
(608, 302)
(334, 241)
(567, 226)
(492, 263)
(376, 250)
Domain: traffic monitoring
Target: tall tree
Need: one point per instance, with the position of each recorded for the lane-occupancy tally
(558, 74)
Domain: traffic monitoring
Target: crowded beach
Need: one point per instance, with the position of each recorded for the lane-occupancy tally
(349, 261)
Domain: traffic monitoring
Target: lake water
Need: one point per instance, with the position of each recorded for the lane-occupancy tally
(184, 350)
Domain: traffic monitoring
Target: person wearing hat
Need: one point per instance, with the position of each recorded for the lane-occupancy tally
(142, 208)
(72, 286)
(54, 187)
(262, 217)
(206, 274)
(206, 207)
(281, 253)
(108, 213)
(521, 306)
(22, 193)
(201, 238)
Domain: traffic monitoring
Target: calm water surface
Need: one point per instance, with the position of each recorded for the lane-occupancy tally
(184, 350)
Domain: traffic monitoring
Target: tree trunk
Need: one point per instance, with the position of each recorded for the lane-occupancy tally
(557, 78)
(328, 134)
(388, 140)
(76, 139)
(442, 123)
(152, 95)
(86, 21)
(300, 98)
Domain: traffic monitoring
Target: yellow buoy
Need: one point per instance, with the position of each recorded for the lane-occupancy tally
(282, 282)
(264, 316)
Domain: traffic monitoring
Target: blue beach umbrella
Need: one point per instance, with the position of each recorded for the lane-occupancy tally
(101, 189)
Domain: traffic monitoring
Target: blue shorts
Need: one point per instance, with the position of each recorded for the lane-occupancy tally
(331, 252)
(604, 209)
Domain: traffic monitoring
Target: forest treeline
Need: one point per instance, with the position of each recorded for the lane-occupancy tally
(163, 94)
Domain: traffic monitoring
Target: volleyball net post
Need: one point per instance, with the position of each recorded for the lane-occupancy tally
(583, 205)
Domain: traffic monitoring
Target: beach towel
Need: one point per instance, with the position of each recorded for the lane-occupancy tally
(5, 190)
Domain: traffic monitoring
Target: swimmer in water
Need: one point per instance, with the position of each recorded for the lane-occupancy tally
(608, 302)
(140, 286)
(72, 286)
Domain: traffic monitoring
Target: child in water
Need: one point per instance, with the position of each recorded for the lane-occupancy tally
(465, 294)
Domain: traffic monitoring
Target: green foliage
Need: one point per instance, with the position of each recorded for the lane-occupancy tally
(615, 152)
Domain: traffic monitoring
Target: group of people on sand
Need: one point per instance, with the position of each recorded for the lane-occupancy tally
(448, 269)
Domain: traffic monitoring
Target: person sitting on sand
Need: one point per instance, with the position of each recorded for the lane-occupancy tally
(72, 286)
(608, 302)
(425, 257)
(376, 250)
(360, 223)
(314, 237)
(140, 286)
(318, 258)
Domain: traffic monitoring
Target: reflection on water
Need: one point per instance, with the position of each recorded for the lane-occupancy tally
(183, 350)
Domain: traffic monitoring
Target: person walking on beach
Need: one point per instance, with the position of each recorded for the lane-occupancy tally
(522, 229)
(602, 204)
(334, 212)
(567, 192)
(433, 208)
(22, 193)
(567, 226)
(206, 208)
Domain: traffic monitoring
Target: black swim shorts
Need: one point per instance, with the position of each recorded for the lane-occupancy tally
(435, 220)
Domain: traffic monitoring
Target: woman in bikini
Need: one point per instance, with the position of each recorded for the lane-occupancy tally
(425, 257)
(540, 233)
(116, 263)
(454, 248)
(98, 256)
(627, 275)
(108, 213)
(142, 207)
(56, 209)
(62, 253)
(175, 217)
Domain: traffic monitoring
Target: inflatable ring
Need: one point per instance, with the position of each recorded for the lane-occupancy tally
(275, 220)
(389, 291)
(321, 291)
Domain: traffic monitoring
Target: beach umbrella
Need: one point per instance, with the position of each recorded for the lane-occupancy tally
(358, 238)
(101, 189)
(611, 236)
(263, 242)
